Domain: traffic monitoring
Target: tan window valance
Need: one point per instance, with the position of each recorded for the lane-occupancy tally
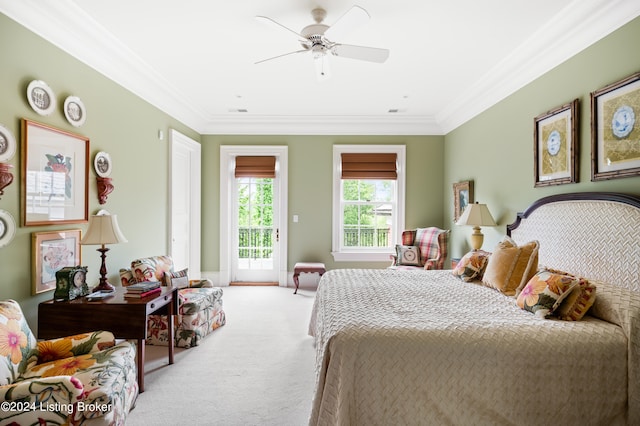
(256, 166)
(369, 166)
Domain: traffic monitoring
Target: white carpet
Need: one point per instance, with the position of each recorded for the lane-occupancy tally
(256, 370)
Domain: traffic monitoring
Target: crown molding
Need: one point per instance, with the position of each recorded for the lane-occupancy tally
(247, 124)
(587, 21)
(576, 27)
(93, 45)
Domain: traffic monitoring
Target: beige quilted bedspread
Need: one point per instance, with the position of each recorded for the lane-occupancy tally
(416, 347)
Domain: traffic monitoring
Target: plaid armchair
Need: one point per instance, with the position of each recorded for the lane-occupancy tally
(429, 244)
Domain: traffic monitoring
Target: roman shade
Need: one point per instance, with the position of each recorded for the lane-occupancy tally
(256, 166)
(369, 166)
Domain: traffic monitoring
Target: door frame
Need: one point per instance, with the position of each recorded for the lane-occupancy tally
(227, 161)
(195, 181)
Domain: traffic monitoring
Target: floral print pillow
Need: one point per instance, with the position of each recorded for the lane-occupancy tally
(544, 293)
(472, 265)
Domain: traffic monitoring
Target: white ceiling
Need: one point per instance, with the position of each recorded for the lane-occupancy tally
(195, 59)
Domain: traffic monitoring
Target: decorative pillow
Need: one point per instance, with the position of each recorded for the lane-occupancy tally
(578, 302)
(472, 265)
(408, 255)
(178, 279)
(126, 277)
(544, 293)
(511, 266)
(151, 268)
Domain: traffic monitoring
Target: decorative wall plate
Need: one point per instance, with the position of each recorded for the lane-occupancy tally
(74, 111)
(623, 120)
(102, 164)
(7, 144)
(41, 97)
(7, 228)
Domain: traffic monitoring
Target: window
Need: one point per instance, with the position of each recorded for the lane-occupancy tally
(368, 201)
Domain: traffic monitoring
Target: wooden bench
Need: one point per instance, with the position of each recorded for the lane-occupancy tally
(307, 267)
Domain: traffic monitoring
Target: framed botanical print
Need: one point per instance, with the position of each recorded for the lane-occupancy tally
(615, 130)
(462, 197)
(51, 252)
(555, 146)
(55, 171)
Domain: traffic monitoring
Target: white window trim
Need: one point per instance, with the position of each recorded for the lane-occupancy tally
(360, 255)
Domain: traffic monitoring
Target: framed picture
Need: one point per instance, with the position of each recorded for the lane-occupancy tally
(555, 146)
(52, 251)
(54, 174)
(462, 197)
(615, 130)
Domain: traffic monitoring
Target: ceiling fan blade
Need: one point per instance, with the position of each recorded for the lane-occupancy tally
(371, 54)
(352, 19)
(280, 56)
(323, 71)
(278, 25)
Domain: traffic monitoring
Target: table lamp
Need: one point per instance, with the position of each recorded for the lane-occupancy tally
(103, 229)
(476, 215)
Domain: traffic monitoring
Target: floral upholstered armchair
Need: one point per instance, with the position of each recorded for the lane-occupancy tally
(200, 306)
(421, 248)
(84, 379)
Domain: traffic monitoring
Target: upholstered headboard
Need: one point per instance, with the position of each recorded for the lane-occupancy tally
(595, 235)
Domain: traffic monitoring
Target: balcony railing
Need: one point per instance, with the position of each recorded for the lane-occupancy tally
(366, 237)
(257, 243)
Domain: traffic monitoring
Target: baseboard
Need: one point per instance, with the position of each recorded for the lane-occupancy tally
(254, 284)
(307, 281)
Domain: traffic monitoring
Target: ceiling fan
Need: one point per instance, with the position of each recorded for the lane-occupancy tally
(318, 39)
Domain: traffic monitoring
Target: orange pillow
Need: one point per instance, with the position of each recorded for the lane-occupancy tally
(511, 266)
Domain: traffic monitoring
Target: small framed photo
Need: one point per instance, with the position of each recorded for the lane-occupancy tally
(7, 144)
(52, 251)
(74, 111)
(555, 146)
(462, 197)
(41, 97)
(615, 130)
(102, 164)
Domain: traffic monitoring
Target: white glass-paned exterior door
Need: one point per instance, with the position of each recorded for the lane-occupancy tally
(256, 233)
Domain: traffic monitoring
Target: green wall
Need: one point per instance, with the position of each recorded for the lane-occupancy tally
(310, 191)
(119, 123)
(495, 149)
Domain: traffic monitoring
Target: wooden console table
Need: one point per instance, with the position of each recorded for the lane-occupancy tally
(125, 318)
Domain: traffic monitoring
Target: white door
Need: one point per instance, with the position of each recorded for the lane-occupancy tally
(253, 231)
(184, 187)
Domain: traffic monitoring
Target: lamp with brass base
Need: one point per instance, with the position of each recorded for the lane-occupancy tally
(476, 215)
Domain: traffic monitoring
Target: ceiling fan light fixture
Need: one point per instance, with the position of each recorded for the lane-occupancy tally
(318, 38)
(323, 72)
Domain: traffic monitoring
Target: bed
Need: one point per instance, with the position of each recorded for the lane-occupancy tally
(424, 347)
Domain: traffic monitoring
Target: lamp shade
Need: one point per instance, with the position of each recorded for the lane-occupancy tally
(476, 215)
(103, 229)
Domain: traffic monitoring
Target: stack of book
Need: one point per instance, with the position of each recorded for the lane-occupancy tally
(142, 289)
